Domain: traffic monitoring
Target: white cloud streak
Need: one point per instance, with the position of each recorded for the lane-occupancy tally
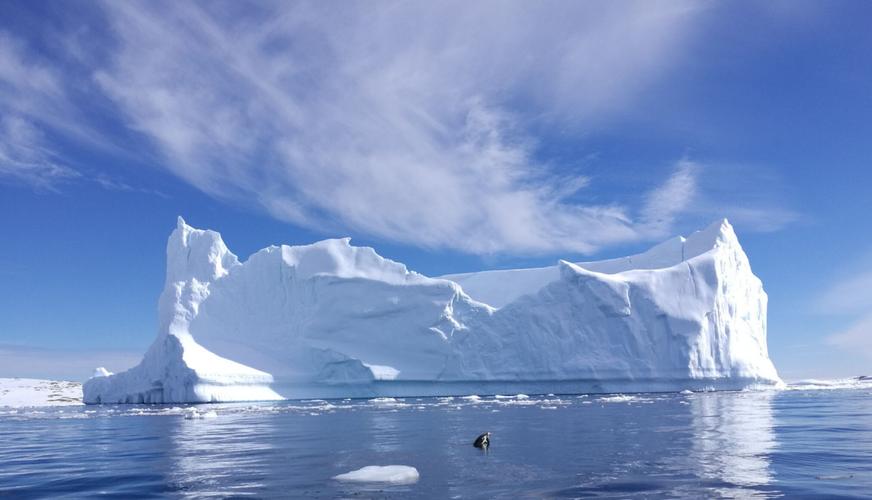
(26, 158)
(27, 89)
(410, 122)
(857, 338)
(393, 119)
(665, 203)
(851, 297)
(35, 99)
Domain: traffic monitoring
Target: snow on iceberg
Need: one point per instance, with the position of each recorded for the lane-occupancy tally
(334, 320)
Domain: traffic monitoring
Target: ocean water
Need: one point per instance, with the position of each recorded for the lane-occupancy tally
(806, 442)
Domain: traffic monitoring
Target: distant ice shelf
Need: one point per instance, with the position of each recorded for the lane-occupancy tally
(334, 320)
(22, 392)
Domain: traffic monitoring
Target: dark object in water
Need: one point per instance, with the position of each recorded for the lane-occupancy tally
(482, 441)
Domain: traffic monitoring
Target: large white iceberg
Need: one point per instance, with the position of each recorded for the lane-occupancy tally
(334, 320)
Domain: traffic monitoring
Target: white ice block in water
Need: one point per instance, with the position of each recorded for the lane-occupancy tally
(392, 474)
(334, 320)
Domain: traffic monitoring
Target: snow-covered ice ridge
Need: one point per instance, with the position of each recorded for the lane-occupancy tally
(334, 320)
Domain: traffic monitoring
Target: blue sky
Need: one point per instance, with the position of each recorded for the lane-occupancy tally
(451, 137)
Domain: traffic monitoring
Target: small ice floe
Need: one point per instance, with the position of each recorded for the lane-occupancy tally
(548, 407)
(383, 401)
(686, 392)
(195, 414)
(391, 474)
(389, 403)
(471, 397)
(618, 398)
(519, 400)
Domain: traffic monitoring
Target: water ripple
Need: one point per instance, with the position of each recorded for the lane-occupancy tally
(743, 444)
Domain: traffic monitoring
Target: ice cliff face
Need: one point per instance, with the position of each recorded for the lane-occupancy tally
(331, 319)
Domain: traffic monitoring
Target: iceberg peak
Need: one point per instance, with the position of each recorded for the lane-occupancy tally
(197, 253)
(717, 235)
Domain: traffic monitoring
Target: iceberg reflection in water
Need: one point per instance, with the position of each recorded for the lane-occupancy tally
(733, 440)
(701, 445)
(220, 454)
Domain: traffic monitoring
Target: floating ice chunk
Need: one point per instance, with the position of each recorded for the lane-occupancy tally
(686, 392)
(392, 474)
(194, 414)
(382, 401)
(618, 398)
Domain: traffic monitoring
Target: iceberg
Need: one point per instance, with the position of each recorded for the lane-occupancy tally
(331, 319)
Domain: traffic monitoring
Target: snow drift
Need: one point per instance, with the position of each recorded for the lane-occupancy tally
(334, 320)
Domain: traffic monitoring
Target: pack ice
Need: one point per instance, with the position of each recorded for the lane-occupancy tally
(334, 320)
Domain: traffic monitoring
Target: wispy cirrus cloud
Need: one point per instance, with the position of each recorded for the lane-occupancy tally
(36, 106)
(407, 122)
(28, 88)
(857, 338)
(26, 158)
(664, 204)
(395, 120)
(851, 297)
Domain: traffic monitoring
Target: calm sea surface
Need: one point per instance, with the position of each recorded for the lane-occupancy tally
(793, 444)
